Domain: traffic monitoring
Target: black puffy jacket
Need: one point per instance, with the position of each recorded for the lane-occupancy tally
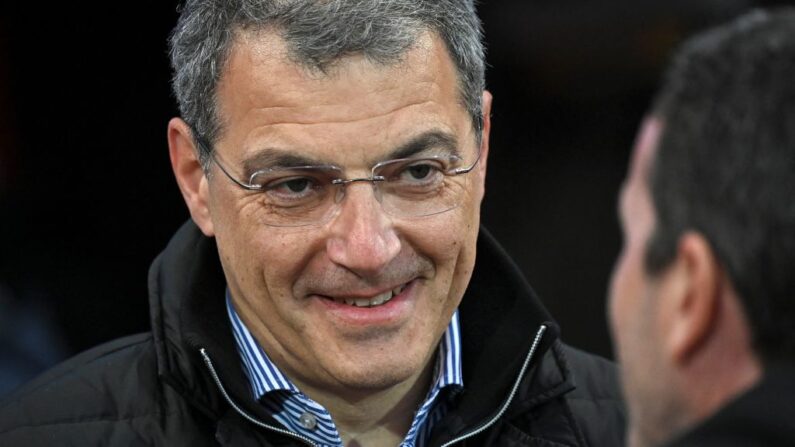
(763, 416)
(182, 384)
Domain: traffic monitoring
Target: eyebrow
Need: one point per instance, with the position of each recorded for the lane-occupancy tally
(426, 141)
(278, 158)
(437, 140)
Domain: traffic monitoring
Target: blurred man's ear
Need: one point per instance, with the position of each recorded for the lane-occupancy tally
(189, 174)
(692, 297)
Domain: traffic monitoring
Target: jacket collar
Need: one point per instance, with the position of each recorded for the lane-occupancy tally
(186, 300)
(763, 415)
(500, 315)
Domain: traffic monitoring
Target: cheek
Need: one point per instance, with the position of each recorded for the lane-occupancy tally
(447, 238)
(282, 257)
(454, 241)
(234, 221)
(448, 241)
(625, 290)
(265, 260)
(617, 294)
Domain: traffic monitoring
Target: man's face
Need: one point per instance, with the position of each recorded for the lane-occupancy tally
(290, 284)
(634, 298)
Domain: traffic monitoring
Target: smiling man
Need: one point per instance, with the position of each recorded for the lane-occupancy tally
(326, 291)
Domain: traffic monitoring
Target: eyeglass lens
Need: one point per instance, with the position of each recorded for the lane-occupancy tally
(405, 188)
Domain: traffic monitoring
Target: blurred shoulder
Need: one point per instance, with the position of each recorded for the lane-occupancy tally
(116, 381)
(596, 401)
(595, 376)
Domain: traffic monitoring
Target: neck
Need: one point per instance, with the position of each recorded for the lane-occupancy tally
(380, 417)
(689, 388)
(712, 387)
(725, 367)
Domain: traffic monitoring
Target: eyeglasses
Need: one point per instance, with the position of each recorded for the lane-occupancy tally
(297, 196)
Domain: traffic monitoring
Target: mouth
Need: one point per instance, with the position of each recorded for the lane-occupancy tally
(374, 301)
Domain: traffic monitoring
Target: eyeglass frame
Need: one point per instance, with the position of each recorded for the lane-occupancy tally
(342, 182)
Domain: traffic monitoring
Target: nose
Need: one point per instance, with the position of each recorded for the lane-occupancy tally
(363, 238)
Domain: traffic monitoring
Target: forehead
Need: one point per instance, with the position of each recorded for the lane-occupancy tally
(634, 204)
(264, 95)
(645, 148)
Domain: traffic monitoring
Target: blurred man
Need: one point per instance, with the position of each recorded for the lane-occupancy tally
(333, 157)
(702, 306)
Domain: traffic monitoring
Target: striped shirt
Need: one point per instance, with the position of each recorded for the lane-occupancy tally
(300, 414)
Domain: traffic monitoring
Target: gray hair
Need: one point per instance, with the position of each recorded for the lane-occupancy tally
(317, 33)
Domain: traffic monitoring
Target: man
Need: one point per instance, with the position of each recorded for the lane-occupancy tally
(333, 156)
(701, 303)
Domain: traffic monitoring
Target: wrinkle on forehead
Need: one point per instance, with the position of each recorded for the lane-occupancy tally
(285, 115)
(354, 89)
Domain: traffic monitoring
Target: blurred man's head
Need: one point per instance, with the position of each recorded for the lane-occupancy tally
(702, 295)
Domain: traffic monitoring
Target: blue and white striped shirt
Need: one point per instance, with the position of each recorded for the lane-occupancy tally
(298, 413)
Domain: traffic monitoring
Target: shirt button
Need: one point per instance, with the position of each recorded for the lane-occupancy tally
(308, 421)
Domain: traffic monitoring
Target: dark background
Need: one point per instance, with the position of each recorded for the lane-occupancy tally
(87, 197)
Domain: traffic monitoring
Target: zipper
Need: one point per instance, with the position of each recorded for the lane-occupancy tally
(242, 412)
(483, 427)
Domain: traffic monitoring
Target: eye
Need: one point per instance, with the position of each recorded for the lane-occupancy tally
(289, 187)
(420, 172)
(294, 186)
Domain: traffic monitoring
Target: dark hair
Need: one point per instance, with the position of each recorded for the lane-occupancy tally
(725, 165)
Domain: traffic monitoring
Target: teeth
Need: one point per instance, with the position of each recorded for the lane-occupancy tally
(362, 302)
(374, 301)
(381, 299)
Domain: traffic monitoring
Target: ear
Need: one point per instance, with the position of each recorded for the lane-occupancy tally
(693, 295)
(484, 145)
(189, 174)
(484, 139)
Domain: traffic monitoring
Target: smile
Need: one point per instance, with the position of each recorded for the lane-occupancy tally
(374, 301)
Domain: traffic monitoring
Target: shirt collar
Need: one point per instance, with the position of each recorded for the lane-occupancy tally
(266, 377)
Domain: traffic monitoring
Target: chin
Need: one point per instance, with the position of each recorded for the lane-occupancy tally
(374, 375)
